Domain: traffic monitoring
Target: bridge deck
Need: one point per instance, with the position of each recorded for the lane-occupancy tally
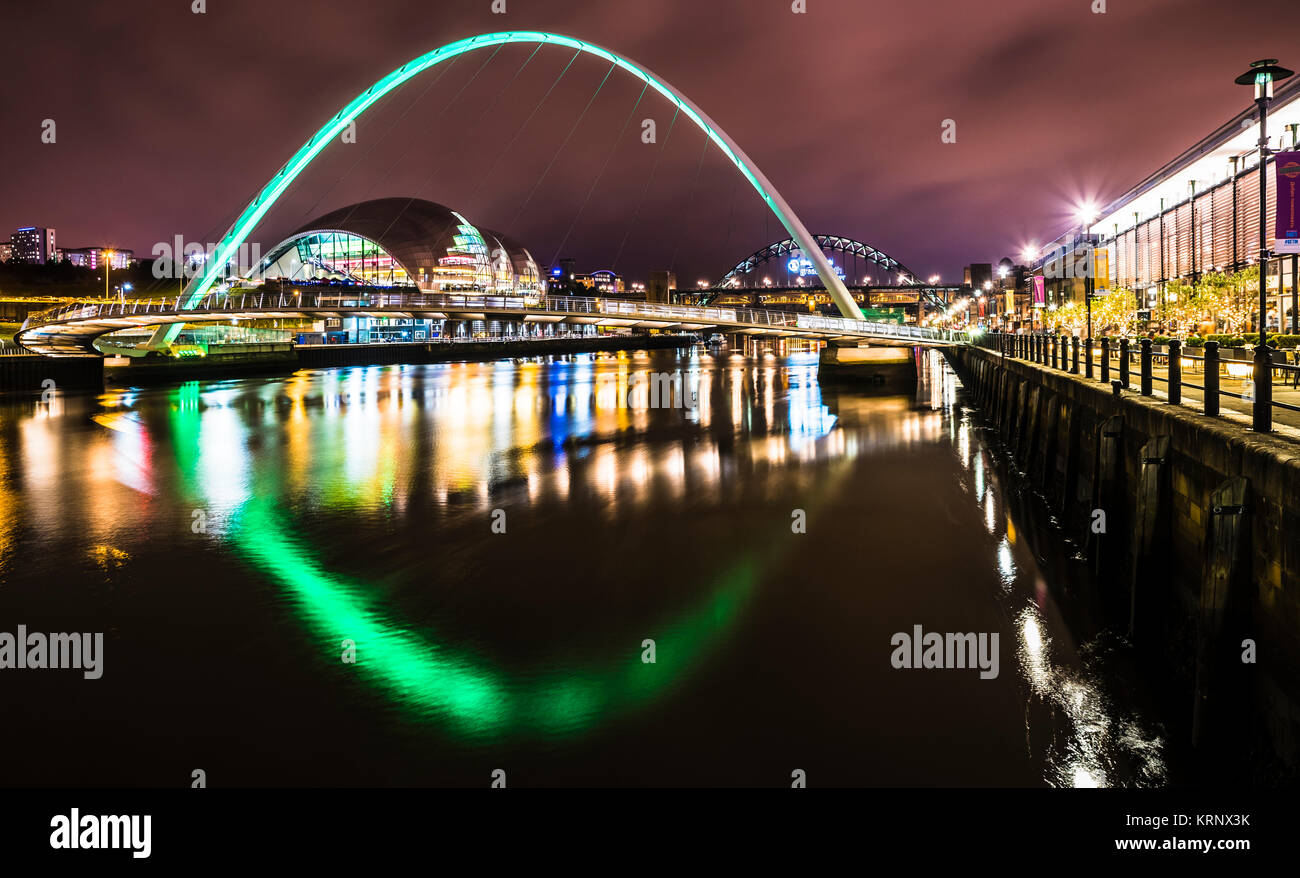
(72, 329)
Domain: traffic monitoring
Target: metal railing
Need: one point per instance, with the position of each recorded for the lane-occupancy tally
(272, 302)
(1118, 357)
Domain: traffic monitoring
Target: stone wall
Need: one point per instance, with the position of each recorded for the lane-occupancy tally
(1186, 564)
(28, 374)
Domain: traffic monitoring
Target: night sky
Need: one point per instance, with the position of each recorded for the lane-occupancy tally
(168, 121)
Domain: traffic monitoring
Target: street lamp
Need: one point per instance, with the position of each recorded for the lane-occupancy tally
(1087, 216)
(108, 263)
(1262, 74)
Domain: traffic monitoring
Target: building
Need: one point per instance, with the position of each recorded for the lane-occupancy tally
(93, 257)
(406, 243)
(977, 274)
(601, 283)
(394, 242)
(662, 286)
(1197, 213)
(6, 251)
(34, 245)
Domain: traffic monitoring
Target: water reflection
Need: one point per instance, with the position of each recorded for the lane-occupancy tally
(355, 505)
(1104, 745)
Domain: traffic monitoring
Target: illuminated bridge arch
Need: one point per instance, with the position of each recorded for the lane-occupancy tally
(271, 192)
(825, 243)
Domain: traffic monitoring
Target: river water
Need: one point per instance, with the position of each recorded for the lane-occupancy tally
(423, 575)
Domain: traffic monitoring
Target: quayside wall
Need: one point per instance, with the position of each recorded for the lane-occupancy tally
(29, 374)
(1192, 525)
(36, 375)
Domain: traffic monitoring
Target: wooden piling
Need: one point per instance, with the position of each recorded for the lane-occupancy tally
(1147, 585)
(1224, 563)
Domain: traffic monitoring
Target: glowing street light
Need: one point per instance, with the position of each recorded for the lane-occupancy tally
(1262, 74)
(1087, 214)
(108, 263)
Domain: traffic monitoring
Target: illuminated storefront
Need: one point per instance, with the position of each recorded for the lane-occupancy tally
(1200, 213)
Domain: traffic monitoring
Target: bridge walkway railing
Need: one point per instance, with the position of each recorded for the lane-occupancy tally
(423, 301)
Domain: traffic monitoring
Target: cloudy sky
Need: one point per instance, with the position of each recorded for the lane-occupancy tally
(168, 121)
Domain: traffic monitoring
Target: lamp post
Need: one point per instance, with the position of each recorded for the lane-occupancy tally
(1262, 74)
(999, 300)
(108, 263)
(1087, 215)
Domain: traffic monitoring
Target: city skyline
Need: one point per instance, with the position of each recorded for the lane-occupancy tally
(1007, 181)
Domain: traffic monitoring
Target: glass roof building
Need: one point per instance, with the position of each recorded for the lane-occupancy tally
(403, 242)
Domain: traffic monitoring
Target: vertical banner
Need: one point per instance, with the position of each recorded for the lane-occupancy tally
(1287, 230)
(1040, 290)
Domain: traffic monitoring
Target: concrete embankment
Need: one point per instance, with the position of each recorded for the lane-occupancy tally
(35, 374)
(317, 356)
(878, 369)
(27, 374)
(1192, 524)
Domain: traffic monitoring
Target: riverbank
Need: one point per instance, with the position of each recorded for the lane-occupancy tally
(27, 374)
(321, 356)
(1189, 523)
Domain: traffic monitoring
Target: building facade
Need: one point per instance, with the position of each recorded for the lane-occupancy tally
(93, 257)
(33, 245)
(405, 243)
(1198, 213)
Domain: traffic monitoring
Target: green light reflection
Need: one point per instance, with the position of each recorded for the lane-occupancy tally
(425, 675)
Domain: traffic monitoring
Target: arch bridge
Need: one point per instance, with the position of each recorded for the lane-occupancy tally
(825, 243)
(256, 209)
(70, 331)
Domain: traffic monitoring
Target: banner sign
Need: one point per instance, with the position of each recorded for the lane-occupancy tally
(1040, 291)
(1011, 301)
(1287, 230)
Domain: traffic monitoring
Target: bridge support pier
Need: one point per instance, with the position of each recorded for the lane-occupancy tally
(886, 369)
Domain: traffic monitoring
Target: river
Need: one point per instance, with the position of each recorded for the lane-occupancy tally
(425, 575)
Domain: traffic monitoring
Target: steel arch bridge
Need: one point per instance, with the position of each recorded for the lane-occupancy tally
(70, 331)
(832, 243)
(256, 209)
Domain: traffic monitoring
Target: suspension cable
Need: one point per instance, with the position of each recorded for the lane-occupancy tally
(672, 264)
(595, 180)
(650, 179)
(563, 144)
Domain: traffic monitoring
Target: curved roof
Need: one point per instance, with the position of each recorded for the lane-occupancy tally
(433, 244)
(415, 232)
(518, 254)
